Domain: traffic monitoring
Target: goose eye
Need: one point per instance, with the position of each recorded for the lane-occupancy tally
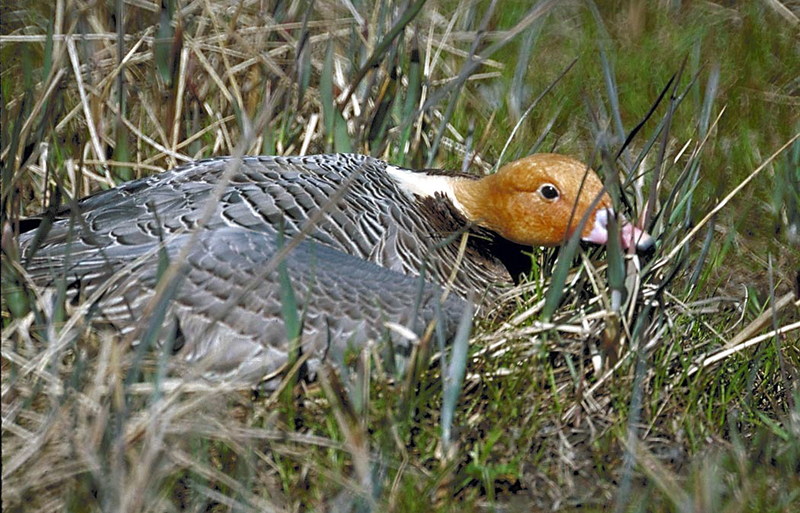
(548, 192)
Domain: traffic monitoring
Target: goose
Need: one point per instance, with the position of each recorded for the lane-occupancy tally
(379, 245)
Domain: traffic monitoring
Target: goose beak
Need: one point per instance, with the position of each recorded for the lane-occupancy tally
(631, 236)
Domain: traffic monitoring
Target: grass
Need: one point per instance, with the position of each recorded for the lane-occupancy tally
(678, 394)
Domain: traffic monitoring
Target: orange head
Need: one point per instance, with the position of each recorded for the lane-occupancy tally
(540, 201)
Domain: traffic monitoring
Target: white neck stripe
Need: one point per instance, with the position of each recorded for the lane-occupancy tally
(424, 185)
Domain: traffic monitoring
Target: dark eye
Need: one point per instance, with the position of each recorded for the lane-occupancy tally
(548, 191)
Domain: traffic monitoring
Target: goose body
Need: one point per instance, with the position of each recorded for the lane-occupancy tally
(373, 234)
(376, 218)
(225, 316)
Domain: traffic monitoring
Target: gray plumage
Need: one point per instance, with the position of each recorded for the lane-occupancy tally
(224, 311)
(374, 218)
(356, 270)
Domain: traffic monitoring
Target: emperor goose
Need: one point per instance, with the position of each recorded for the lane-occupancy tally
(379, 243)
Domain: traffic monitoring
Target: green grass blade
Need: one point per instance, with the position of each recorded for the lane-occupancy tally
(326, 96)
(409, 109)
(454, 372)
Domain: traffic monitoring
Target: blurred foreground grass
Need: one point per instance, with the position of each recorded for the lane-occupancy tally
(681, 398)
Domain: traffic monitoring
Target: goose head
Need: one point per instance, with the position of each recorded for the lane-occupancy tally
(540, 201)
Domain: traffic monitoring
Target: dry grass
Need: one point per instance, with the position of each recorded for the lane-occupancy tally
(659, 385)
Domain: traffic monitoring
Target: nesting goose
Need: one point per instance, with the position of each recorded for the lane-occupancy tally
(379, 242)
